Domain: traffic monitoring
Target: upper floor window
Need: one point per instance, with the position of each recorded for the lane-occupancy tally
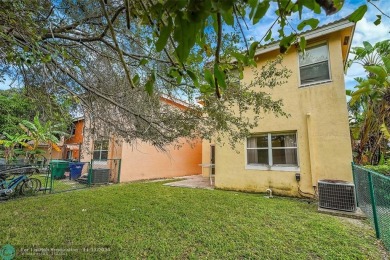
(73, 130)
(272, 149)
(100, 150)
(314, 65)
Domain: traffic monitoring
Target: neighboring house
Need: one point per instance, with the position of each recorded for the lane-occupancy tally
(314, 141)
(140, 161)
(69, 146)
(73, 143)
(49, 154)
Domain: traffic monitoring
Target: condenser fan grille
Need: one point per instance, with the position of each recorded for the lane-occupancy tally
(335, 194)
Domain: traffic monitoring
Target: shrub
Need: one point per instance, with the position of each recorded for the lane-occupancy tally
(384, 169)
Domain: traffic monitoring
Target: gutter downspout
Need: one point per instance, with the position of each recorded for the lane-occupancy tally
(310, 143)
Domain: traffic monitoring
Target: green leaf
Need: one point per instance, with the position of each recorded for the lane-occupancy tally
(208, 76)
(136, 79)
(215, 22)
(338, 4)
(220, 76)
(252, 5)
(269, 35)
(312, 22)
(164, 35)
(228, 17)
(175, 73)
(149, 85)
(207, 49)
(386, 62)
(286, 42)
(185, 34)
(368, 83)
(385, 131)
(193, 77)
(378, 70)
(367, 46)
(310, 4)
(302, 44)
(378, 20)
(360, 91)
(238, 56)
(205, 88)
(252, 49)
(358, 14)
(143, 62)
(261, 10)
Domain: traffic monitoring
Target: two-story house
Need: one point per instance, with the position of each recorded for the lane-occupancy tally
(140, 160)
(73, 143)
(291, 154)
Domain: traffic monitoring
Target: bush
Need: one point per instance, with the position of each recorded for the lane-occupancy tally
(384, 169)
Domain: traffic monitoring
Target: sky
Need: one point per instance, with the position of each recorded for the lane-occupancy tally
(365, 30)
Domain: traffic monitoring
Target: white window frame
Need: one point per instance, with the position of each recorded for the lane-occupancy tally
(270, 166)
(100, 150)
(312, 46)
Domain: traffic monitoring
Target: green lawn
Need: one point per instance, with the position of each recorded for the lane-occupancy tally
(148, 220)
(61, 184)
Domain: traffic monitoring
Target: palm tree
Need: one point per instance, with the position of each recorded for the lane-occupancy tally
(369, 105)
(43, 133)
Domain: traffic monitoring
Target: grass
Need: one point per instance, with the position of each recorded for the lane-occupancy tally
(148, 220)
(61, 184)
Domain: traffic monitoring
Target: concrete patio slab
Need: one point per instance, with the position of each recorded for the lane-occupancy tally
(194, 181)
(358, 214)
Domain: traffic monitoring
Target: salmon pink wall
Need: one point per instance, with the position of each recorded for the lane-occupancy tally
(143, 161)
(77, 138)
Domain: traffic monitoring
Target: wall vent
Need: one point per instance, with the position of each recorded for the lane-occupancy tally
(336, 194)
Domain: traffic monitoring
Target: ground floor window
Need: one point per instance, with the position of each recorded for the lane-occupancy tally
(69, 154)
(100, 150)
(272, 149)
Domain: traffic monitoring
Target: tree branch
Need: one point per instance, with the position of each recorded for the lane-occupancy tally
(119, 50)
(379, 9)
(217, 51)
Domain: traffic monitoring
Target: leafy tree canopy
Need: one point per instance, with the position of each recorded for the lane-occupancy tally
(369, 105)
(23, 104)
(116, 58)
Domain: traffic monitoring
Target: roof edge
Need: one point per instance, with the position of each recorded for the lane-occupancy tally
(323, 30)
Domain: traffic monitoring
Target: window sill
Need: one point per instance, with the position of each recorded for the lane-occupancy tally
(273, 168)
(315, 83)
(100, 161)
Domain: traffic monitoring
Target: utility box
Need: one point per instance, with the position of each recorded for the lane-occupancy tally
(337, 195)
(100, 176)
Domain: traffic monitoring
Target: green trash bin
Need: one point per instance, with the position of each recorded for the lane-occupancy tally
(58, 168)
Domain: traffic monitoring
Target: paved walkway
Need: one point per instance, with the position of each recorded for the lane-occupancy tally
(194, 181)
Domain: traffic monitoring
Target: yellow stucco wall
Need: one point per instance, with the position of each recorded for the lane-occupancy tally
(206, 157)
(318, 113)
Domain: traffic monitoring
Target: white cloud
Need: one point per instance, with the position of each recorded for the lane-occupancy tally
(366, 30)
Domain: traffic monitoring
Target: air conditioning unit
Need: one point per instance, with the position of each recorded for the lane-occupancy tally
(336, 194)
(100, 176)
